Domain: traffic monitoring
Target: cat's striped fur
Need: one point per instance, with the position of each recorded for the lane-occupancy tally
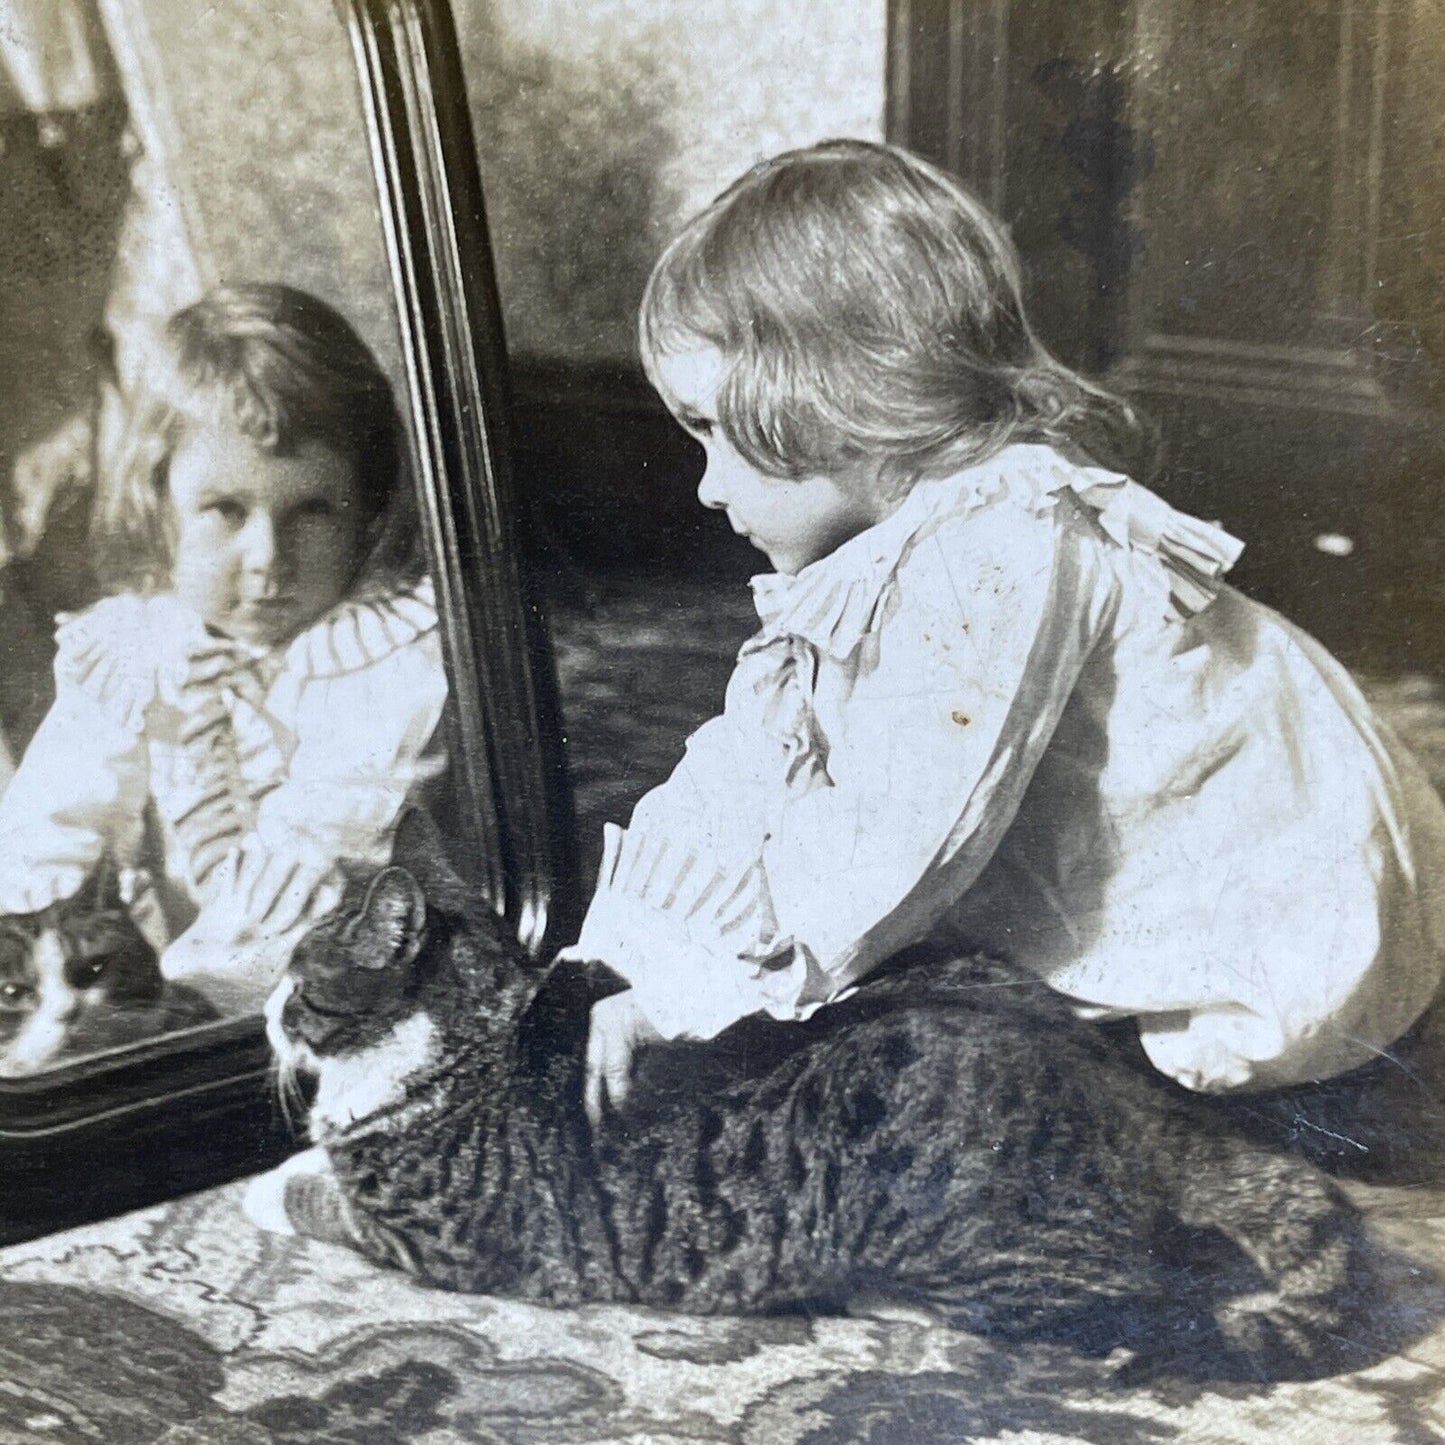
(950, 1137)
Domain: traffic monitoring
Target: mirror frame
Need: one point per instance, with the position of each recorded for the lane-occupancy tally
(509, 744)
(191, 1109)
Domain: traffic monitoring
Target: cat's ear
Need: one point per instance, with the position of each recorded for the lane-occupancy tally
(99, 888)
(388, 930)
(420, 848)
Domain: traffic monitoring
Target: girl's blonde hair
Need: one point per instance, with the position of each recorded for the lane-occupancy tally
(871, 313)
(279, 367)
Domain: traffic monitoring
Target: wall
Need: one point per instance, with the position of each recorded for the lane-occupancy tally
(602, 123)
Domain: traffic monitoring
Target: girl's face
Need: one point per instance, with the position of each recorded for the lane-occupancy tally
(793, 522)
(263, 544)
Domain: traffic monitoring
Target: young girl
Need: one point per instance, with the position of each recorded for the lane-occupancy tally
(261, 692)
(1000, 696)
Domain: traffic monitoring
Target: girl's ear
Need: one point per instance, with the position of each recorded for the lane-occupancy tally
(388, 931)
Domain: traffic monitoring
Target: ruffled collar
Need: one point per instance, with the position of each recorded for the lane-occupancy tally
(837, 601)
(122, 649)
(833, 602)
(356, 633)
(362, 631)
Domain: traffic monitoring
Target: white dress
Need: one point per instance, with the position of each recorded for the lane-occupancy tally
(228, 779)
(1023, 713)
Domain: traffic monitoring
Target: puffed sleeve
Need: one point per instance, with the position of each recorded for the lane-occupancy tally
(993, 618)
(80, 789)
(957, 694)
(681, 908)
(366, 737)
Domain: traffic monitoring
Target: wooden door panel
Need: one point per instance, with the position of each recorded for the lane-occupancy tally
(1233, 210)
(1261, 208)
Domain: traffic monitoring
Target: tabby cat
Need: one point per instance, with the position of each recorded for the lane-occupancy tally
(79, 977)
(948, 1138)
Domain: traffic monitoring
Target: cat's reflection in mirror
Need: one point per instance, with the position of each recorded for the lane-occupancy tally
(80, 977)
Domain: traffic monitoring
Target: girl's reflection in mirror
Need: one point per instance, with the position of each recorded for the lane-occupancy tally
(260, 691)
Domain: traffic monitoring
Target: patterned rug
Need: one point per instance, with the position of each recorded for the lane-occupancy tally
(184, 1325)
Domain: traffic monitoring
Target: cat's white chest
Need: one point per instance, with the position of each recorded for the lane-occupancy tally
(351, 1087)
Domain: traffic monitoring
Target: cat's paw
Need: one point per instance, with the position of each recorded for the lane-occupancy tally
(264, 1202)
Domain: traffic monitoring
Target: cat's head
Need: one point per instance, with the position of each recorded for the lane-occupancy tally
(409, 968)
(76, 977)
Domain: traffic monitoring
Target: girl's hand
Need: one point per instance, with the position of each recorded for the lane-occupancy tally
(618, 1027)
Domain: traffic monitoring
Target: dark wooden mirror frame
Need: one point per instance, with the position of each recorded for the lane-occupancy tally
(114, 1131)
(504, 690)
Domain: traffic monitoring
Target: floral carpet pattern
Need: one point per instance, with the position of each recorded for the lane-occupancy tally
(185, 1325)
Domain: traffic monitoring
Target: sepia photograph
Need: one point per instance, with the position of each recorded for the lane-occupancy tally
(722, 721)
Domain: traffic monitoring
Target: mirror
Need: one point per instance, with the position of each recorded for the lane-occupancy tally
(260, 577)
